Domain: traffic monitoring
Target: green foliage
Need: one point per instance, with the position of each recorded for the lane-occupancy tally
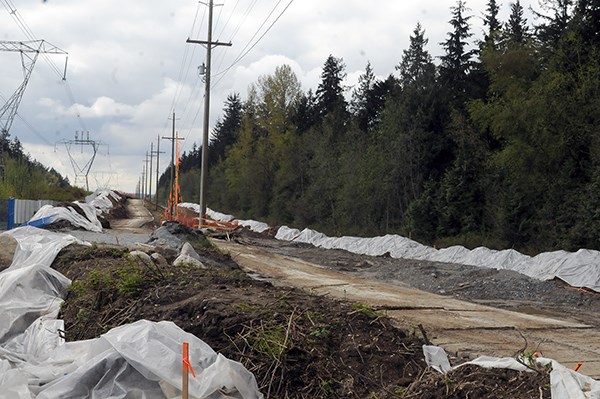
(23, 177)
(270, 340)
(502, 150)
(364, 309)
(320, 332)
(328, 387)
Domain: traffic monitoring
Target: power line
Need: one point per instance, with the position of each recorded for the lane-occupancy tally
(228, 19)
(185, 61)
(243, 54)
(235, 31)
(257, 30)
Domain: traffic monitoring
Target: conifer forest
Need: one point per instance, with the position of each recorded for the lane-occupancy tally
(496, 142)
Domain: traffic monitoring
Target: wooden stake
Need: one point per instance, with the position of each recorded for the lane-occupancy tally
(184, 385)
(186, 368)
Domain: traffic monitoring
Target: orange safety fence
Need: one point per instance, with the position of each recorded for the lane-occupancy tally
(190, 220)
(216, 224)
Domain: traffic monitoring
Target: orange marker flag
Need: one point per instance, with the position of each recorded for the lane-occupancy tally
(187, 366)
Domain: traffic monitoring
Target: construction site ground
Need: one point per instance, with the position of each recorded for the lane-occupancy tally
(310, 322)
(467, 310)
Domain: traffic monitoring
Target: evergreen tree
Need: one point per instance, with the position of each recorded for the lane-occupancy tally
(416, 64)
(588, 21)
(366, 81)
(306, 115)
(491, 21)
(330, 92)
(516, 29)
(456, 64)
(364, 105)
(553, 27)
(191, 160)
(226, 129)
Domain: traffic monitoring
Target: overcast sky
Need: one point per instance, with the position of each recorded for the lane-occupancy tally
(129, 67)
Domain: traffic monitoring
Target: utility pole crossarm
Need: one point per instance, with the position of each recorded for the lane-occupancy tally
(204, 42)
(33, 46)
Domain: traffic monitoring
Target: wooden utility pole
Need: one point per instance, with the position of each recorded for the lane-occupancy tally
(173, 140)
(209, 44)
(150, 171)
(142, 181)
(157, 153)
(146, 176)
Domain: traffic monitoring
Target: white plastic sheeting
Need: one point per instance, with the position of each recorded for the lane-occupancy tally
(188, 255)
(55, 213)
(100, 200)
(144, 358)
(95, 205)
(565, 383)
(579, 269)
(141, 360)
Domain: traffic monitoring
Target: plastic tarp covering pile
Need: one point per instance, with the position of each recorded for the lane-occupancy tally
(141, 360)
(579, 269)
(565, 383)
(95, 205)
(100, 200)
(51, 214)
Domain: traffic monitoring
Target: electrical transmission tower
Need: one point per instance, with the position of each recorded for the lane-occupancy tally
(82, 139)
(29, 50)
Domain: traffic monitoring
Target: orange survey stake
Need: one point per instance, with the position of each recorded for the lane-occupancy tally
(187, 367)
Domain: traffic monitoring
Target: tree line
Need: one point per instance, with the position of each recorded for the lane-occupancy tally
(496, 143)
(23, 177)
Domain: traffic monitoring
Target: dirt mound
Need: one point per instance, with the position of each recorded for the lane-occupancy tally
(61, 225)
(296, 344)
(119, 208)
(476, 382)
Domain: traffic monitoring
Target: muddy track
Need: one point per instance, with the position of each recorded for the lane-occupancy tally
(465, 329)
(139, 217)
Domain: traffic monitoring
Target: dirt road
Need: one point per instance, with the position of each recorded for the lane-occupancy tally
(138, 217)
(463, 328)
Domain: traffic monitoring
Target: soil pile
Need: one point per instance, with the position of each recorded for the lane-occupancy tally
(476, 382)
(297, 345)
(118, 211)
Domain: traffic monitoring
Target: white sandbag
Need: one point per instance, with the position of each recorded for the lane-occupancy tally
(189, 256)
